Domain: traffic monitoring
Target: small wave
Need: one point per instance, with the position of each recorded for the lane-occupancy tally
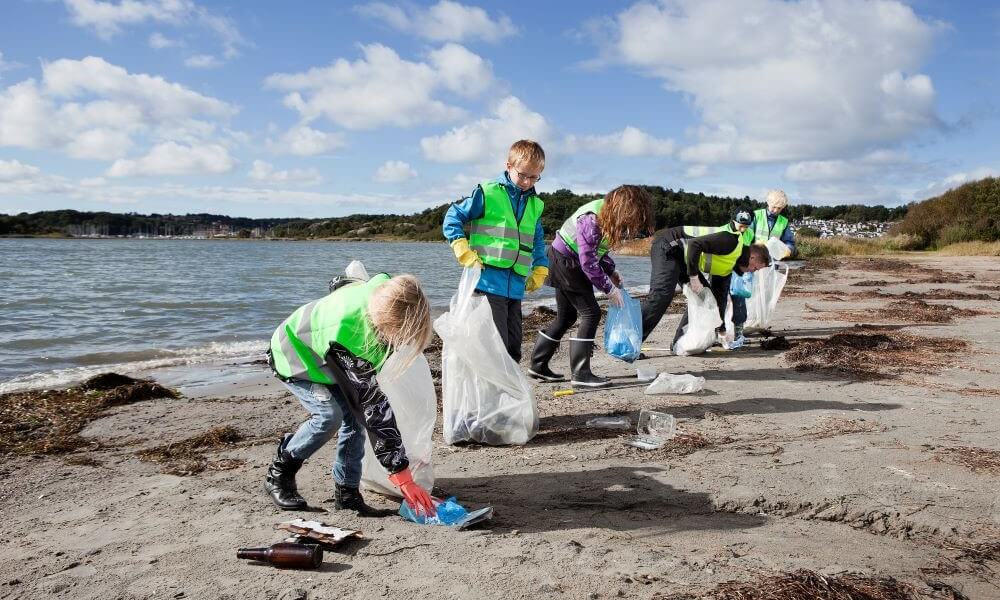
(136, 363)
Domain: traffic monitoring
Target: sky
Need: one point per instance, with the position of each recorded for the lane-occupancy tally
(323, 109)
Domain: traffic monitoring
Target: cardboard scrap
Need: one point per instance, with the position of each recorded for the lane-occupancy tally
(318, 532)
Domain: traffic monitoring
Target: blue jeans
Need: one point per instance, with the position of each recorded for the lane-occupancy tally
(328, 411)
(739, 310)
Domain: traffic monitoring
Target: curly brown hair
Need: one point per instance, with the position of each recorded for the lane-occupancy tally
(627, 213)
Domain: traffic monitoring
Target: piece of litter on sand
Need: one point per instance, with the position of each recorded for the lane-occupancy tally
(317, 531)
(653, 430)
(610, 422)
(449, 513)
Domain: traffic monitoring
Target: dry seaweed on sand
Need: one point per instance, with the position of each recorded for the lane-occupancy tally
(805, 584)
(778, 343)
(977, 460)
(49, 421)
(874, 355)
(905, 311)
(188, 456)
(871, 283)
(829, 427)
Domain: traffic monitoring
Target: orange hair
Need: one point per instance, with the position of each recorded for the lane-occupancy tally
(627, 212)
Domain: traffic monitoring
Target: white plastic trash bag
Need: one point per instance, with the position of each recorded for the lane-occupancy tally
(414, 403)
(778, 249)
(486, 397)
(703, 319)
(668, 383)
(767, 285)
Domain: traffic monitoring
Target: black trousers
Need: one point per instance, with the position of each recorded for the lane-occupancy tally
(571, 304)
(666, 271)
(507, 318)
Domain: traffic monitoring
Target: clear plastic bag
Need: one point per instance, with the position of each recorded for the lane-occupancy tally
(486, 397)
(414, 403)
(703, 319)
(668, 383)
(623, 329)
(778, 249)
(767, 285)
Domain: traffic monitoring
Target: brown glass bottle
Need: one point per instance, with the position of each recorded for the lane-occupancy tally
(286, 555)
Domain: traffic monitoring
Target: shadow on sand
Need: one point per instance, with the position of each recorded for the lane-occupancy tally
(614, 498)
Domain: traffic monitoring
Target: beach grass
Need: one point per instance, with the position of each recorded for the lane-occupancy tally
(972, 249)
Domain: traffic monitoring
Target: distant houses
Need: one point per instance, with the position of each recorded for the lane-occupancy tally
(838, 228)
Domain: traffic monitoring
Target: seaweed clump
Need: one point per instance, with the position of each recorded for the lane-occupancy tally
(50, 421)
(873, 355)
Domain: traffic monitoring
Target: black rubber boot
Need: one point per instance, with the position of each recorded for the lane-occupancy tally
(349, 498)
(545, 347)
(280, 480)
(580, 352)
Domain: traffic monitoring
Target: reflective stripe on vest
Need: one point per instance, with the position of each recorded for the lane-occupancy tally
(568, 230)
(498, 237)
(713, 264)
(761, 231)
(299, 345)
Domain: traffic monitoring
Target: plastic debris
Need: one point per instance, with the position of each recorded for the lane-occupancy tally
(644, 374)
(449, 513)
(668, 383)
(654, 429)
(610, 422)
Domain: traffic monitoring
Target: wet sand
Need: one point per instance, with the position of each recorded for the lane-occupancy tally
(777, 470)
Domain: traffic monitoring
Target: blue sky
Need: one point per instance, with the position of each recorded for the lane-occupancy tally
(316, 109)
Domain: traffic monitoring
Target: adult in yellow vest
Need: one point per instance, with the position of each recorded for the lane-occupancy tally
(766, 224)
(580, 262)
(505, 236)
(328, 354)
(695, 255)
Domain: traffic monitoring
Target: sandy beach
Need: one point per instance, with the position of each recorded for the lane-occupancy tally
(888, 467)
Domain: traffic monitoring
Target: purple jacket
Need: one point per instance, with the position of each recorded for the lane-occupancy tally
(588, 238)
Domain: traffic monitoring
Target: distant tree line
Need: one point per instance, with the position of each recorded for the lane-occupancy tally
(670, 207)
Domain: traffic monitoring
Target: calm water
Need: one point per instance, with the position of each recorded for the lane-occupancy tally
(72, 308)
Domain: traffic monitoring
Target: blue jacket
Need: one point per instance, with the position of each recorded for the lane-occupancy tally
(502, 282)
(787, 236)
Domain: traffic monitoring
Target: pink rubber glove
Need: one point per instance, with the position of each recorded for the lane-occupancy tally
(420, 501)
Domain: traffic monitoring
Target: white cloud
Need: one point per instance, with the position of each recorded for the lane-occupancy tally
(630, 141)
(394, 171)
(832, 170)
(776, 80)
(92, 109)
(158, 41)
(954, 180)
(202, 61)
(444, 22)
(171, 158)
(265, 172)
(6, 65)
(303, 140)
(107, 19)
(489, 138)
(384, 89)
(11, 170)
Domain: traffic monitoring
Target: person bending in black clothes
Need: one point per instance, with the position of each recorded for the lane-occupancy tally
(686, 254)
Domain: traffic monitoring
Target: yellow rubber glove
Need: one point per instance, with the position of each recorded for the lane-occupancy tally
(536, 278)
(466, 256)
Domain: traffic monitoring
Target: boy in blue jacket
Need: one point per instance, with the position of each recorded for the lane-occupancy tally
(505, 237)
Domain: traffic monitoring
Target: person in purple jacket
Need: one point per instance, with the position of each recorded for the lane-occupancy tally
(578, 263)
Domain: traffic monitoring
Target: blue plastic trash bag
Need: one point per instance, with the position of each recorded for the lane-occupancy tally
(741, 286)
(623, 329)
(449, 512)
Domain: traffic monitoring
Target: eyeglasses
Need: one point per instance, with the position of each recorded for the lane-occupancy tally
(528, 178)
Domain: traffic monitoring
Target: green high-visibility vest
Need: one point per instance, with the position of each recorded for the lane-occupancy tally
(714, 264)
(299, 345)
(761, 232)
(568, 230)
(498, 237)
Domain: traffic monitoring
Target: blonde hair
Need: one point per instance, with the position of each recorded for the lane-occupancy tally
(776, 198)
(627, 212)
(401, 315)
(526, 152)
